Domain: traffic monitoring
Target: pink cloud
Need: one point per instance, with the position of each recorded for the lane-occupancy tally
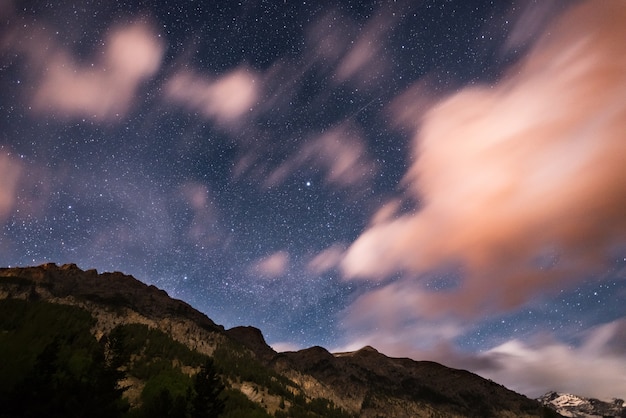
(226, 99)
(10, 173)
(273, 266)
(341, 153)
(203, 228)
(364, 60)
(326, 260)
(25, 187)
(329, 38)
(354, 54)
(104, 90)
(521, 183)
(399, 313)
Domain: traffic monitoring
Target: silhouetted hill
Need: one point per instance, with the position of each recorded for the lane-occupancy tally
(165, 342)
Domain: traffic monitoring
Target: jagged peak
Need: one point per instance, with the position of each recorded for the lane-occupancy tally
(248, 333)
(316, 350)
(253, 339)
(368, 349)
(109, 288)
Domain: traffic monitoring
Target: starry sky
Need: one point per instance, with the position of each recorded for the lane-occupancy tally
(442, 180)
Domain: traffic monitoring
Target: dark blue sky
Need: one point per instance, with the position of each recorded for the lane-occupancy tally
(439, 179)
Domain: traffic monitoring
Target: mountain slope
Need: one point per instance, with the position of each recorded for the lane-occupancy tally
(307, 383)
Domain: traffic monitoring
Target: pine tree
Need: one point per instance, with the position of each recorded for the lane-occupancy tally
(208, 386)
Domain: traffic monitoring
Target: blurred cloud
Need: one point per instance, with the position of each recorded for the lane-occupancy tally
(353, 53)
(529, 20)
(340, 153)
(10, 172)
(397, 313)
(326, 260)
(521, 183)
(329, 37)
(104, 89)
(408, 108)
(594, 369)
(26, 187)
(202, 229)
(533, 366)
(365, 59)
(226, 99)
(272, 266)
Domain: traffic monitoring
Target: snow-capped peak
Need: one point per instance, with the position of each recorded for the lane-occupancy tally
(580, 407)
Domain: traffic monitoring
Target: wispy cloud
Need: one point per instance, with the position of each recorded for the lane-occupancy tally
(326, 260)
(10, 172)
(365, 60)
(596, 368)
(203, 227)
(340, 153)
(272, 266)
(225, 99)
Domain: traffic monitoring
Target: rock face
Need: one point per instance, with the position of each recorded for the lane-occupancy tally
(579, 407)
(112, 299)
(364, 383)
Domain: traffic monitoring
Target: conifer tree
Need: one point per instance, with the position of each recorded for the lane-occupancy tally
(208, 386)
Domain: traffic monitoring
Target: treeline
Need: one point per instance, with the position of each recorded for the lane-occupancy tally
(53, 366)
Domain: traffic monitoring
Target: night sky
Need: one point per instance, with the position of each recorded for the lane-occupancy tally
(442, 180)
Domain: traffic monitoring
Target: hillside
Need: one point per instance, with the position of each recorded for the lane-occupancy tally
(163, 343)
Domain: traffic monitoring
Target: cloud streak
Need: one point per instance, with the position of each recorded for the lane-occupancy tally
(10, 172)
(326, 260)
(340, 152)
(225, 99)
(596, 368)
(272, 266)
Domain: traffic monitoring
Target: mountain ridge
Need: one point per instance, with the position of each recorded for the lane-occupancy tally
(364, 383)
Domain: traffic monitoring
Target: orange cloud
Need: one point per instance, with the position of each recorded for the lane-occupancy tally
(107, 88)
(516, 176)
(226, 99)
